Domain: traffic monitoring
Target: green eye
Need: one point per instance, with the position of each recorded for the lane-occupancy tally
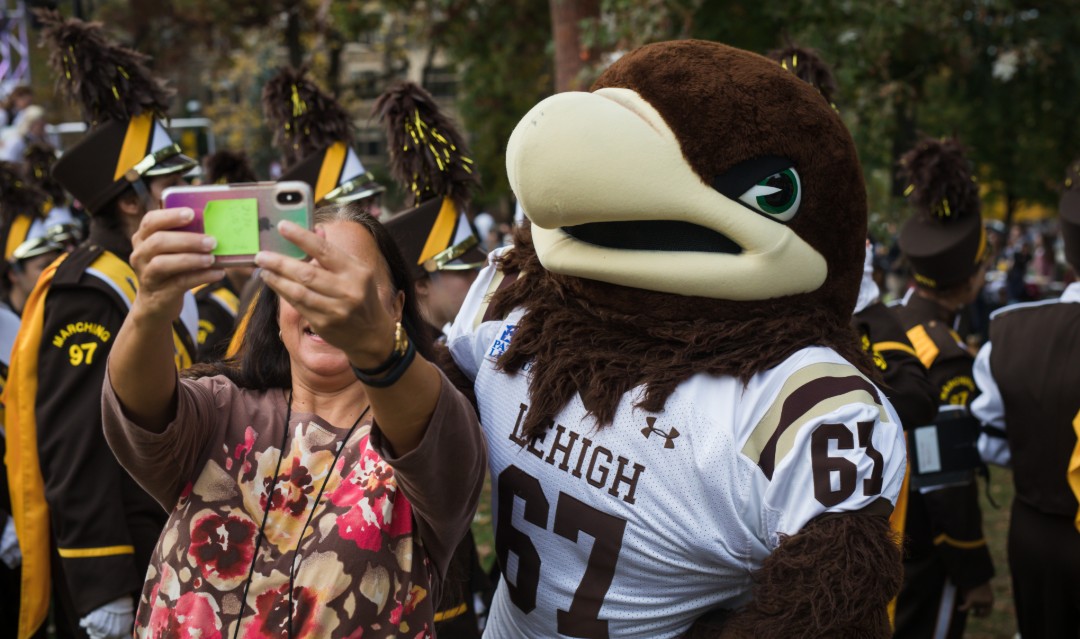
(777, 196)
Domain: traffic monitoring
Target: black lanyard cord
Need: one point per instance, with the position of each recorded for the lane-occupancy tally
(266, 514)
(270, 505)
(314, 507)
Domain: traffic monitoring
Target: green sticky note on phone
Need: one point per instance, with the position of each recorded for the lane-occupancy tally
(235, 224)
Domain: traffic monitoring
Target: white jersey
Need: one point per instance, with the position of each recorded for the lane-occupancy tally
(638, 528)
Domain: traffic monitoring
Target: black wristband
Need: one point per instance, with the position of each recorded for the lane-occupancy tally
(381, 369)
(396, 370)
(401, 339)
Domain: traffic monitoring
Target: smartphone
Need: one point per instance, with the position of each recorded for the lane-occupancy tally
(244, 217)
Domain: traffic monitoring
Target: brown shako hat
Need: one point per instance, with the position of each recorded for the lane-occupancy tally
(315, 136)
(944, 240)
(1069, 215)
(428, 157)
(121, 102)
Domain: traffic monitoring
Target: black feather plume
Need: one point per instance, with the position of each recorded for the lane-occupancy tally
(108, 81)
(939, 178)
(428, 155)
(228, 167)
(38, 159)
(304, 118)
(18, 196)
(808, 66)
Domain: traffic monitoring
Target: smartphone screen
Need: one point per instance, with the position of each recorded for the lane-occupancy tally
(244, 217)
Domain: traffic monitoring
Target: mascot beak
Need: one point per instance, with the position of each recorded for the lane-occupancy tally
(612, 198)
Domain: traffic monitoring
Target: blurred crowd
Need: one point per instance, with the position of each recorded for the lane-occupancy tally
(1026, 264)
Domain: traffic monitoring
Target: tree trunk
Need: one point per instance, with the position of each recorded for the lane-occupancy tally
(334, 49)
(571, 56)
(292, 36)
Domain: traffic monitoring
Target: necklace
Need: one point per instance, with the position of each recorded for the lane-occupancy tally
(311, 515)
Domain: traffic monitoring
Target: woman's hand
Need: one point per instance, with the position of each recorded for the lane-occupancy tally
(170, 263)
(335, 292)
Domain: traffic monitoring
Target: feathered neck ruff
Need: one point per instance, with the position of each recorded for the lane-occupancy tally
(603, 340)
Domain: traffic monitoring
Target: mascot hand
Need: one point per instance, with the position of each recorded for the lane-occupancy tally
(834, 578)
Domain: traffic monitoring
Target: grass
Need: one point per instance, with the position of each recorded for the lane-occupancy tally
(1001, 624)
(483, 529)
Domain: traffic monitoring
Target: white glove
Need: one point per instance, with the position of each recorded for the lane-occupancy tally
(114, 620)
(9, 546)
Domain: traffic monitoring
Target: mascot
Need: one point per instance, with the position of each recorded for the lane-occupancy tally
(682, 435)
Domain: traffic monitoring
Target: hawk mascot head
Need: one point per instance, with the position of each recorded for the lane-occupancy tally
(701, 209)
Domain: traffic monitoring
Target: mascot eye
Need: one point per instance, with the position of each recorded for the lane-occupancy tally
(777, 196)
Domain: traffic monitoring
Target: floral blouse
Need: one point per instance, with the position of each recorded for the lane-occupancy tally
(368, 563)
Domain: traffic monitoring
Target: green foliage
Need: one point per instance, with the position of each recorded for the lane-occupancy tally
(236, 111)
(1015, 96)
(504, 69)
(1003, 75)
(502, 76)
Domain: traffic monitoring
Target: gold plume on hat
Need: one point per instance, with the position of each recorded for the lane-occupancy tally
(108, 81)
(809, 67)
(304, 118)
(940, 182)
(428, 155)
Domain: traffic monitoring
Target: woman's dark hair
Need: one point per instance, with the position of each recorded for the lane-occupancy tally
(262, 361)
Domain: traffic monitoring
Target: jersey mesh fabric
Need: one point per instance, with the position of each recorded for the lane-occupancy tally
(669, 511)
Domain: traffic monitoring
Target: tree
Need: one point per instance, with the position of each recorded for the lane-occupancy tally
(572, 52)
(1017, 95)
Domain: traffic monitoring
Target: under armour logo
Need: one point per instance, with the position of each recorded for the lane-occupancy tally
(669, 436)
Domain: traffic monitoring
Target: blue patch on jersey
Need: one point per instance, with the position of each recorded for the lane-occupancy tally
(499, 346)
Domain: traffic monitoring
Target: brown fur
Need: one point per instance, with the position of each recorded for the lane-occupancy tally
(603, 340)
(833, 579)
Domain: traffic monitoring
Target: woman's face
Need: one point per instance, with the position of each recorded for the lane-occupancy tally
(313, 360)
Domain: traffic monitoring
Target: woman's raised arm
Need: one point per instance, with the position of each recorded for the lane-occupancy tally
(168, 263)
(337, 294)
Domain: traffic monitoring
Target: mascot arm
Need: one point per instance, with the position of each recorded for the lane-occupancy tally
(834, 578)
(824, 514)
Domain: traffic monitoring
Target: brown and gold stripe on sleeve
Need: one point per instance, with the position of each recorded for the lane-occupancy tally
(810, 393)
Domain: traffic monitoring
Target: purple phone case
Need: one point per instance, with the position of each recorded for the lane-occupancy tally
(240, 209)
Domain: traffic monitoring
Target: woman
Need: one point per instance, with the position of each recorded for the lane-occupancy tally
(347, 533)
